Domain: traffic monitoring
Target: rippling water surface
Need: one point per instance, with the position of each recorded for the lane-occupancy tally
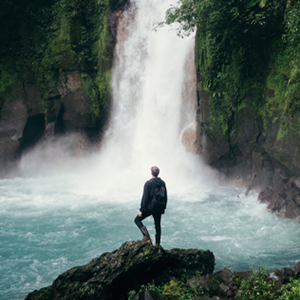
(51, 224)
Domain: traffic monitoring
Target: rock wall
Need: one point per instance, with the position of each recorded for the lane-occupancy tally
(253, 149)
(64, 91)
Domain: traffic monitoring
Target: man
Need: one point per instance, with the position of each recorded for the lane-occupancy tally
(149, 208)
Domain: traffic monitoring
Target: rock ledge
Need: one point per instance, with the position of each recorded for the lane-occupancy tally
(114, 274)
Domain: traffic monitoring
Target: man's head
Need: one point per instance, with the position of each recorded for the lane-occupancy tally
(155, 171)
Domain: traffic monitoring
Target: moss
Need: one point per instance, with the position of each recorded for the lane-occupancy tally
(7, 82)
(54, 38)
(59, 54)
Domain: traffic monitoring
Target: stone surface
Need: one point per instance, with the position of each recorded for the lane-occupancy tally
(287, 274)
(224, 276)
(296, 270)
(189, 139)
(114, 274)
(12, 123)
(252, 145)
(284, 199)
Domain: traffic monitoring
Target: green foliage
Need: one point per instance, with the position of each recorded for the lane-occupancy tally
(292, 25)
(291, 291)
(46, 38)
(245, 48)
(7, 81)
(258, 287)
(171, 290)
(146, 287)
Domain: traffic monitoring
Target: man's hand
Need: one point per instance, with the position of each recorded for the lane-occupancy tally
(140, 214)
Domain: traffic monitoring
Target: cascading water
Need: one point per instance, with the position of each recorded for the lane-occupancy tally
(63, 212)
(153, 102)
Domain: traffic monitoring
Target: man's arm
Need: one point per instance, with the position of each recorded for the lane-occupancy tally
(166, 197)
(145, 197)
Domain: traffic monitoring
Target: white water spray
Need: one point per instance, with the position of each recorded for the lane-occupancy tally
(154, 94)
(154, 100)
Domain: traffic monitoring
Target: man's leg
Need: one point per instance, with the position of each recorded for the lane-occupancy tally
(138, 221)
(157, 220)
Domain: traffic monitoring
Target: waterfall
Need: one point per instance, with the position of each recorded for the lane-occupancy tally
(67, 211)
(154, 94)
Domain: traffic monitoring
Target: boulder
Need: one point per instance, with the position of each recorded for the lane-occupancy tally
(284, 199)
(114, 274)
(287, 274)
(296, 270)
(224, 276)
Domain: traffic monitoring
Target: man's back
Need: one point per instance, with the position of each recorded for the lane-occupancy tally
(149, 191)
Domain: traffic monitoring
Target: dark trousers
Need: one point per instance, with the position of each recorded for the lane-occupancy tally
(157, 218)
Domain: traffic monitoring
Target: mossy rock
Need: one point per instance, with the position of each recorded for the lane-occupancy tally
(114, 274)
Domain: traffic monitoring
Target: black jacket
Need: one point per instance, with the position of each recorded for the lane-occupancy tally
(148, 193)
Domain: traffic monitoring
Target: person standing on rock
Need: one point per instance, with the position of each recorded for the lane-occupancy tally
(154, 202)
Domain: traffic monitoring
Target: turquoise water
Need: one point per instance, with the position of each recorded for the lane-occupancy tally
(50, 224)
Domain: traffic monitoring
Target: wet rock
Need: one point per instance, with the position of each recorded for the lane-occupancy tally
(284, 199)
(296, 270)
(292, 210)
(32, 99)
(12, 123)
(287, 274)
(189, 139)
(224, 276)
(76, 112)
(114, 274)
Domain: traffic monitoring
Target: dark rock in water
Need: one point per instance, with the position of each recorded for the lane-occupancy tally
(114, 274)
(284, 199)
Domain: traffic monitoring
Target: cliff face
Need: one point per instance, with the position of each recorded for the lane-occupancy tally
(56, 60)
(248, 90)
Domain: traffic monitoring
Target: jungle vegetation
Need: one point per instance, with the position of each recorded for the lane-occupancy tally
(247, 56)
(42, 39)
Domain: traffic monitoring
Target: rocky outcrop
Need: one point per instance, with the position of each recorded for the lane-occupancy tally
(114, 274)
(27, 118)
(284, 198)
